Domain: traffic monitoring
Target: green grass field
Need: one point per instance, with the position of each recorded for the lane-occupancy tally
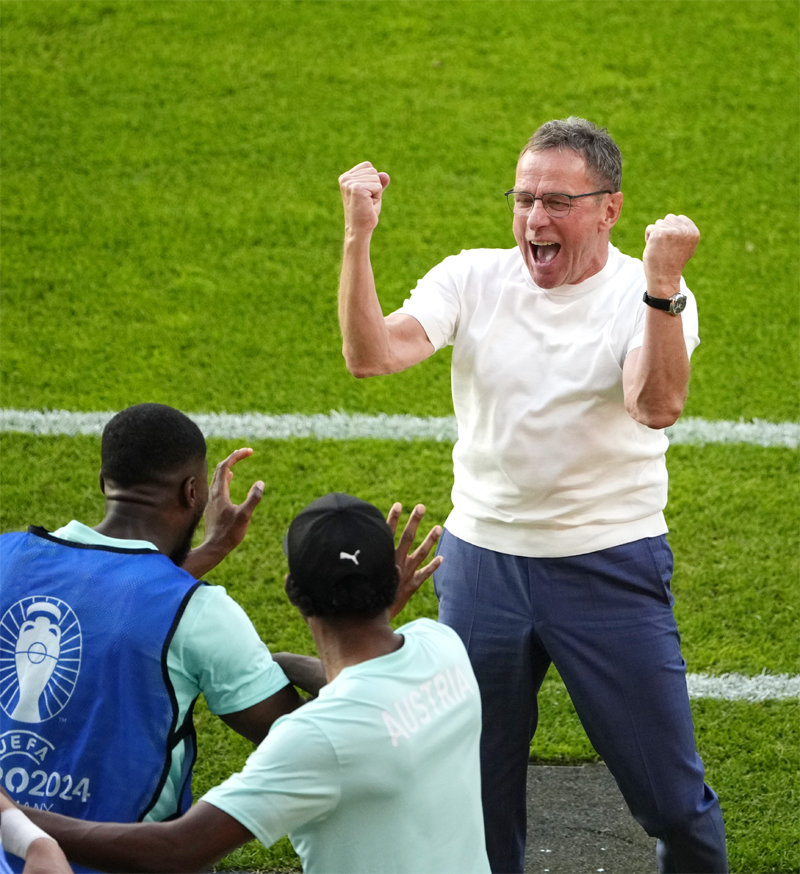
(171, 231)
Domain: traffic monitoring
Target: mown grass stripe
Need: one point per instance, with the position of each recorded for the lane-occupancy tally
(351, 426)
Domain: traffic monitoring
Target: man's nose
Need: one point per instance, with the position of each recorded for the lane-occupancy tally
(538, 215)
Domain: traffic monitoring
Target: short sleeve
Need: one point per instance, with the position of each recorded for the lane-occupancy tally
(689, 320)
(218, 651)
(290, 780)
(435, 303)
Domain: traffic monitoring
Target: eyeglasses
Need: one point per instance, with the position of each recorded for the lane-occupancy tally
(556, 205)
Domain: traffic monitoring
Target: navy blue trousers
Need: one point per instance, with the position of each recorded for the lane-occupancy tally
(605, 621)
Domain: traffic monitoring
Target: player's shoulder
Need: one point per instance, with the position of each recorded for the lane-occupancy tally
(212, 610)
(431, 630)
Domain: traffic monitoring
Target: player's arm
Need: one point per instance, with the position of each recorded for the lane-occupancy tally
(655, 376)
(193, 842)
(371, 344)
(254, 722)
(304, 671)
(242, 683)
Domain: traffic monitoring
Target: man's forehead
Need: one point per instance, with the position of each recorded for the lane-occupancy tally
(552, 164)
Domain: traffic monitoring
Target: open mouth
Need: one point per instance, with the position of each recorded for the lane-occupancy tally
(543, 253)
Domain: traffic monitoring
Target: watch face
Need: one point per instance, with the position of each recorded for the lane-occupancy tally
(678, 303)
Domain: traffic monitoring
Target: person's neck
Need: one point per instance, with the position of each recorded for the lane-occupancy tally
(127, 520)
(343, 642)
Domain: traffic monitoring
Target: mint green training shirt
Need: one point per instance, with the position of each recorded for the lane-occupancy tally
(380, 773)
(200, 658)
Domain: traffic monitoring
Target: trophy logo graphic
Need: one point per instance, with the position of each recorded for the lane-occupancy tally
(40, 657)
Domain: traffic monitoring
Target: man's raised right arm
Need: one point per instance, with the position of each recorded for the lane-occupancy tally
(371, 344)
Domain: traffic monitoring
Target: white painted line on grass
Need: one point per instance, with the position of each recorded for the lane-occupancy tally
(352, 426)
(249, 426)
(758, 432)
(738, 687)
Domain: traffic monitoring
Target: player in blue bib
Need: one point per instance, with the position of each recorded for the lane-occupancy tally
(380, 773)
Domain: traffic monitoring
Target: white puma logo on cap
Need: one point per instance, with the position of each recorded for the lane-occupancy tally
(353, 557)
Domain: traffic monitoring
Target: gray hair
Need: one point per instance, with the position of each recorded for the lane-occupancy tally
(594, 144)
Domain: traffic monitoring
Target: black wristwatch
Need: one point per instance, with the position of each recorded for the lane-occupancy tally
(672, 305)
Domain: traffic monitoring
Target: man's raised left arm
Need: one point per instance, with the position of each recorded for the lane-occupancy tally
(655, 375)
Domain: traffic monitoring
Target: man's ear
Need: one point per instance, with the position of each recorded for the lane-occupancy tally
(102, 480)
(289, 588)
(189, 492)
(613, 210)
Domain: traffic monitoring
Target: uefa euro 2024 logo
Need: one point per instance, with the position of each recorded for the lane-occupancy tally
(40, 658)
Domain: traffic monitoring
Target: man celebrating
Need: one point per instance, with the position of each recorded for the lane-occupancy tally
(380, 773)
(569, 360)
(106, 641)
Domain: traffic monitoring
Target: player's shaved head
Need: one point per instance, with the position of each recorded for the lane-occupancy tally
(147, 443)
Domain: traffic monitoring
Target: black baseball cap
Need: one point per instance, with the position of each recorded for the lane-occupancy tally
(338, 537)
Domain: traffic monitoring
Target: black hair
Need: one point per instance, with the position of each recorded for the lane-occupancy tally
(144, 442)
(354, 596)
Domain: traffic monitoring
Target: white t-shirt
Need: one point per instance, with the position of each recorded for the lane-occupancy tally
(547, 462)
(200, 657)
(380, 773)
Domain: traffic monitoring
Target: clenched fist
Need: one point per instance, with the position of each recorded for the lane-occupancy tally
(362, 193)
(669, 244)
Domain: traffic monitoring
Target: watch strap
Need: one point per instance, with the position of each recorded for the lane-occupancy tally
(659, 303)
(673, 305)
